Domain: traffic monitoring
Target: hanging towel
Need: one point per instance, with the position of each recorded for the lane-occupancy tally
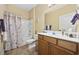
(75, 18)
(2, 26)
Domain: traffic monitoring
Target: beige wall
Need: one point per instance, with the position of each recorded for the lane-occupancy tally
(38, 14)
(18, 11)
(2, 8)
(32, 18)
(39, 17)
(12, 8)
(52, 17)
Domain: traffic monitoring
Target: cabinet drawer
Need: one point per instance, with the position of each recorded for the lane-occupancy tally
(68, 45)
(50, 39)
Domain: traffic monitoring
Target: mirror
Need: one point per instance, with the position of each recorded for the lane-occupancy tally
(65, 22)
(62, 22)
(60, 19)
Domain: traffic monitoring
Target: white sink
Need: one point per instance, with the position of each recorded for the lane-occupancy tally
(53, 32)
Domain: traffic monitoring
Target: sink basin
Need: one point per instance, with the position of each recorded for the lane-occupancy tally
(59, 33)
(53, 32)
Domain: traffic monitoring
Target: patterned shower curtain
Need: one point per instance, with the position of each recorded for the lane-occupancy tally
(10, 28)
(13, 31)
(17, 30)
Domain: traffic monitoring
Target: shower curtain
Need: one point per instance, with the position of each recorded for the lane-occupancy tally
(10, 24)
(17, 30)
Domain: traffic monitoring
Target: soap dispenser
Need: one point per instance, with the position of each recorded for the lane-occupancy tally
(50, 27)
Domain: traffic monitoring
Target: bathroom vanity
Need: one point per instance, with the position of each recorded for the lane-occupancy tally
(49, 44)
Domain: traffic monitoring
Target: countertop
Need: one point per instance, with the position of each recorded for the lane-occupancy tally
(63, 37)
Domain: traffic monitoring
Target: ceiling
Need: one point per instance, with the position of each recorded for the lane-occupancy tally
(28, 7)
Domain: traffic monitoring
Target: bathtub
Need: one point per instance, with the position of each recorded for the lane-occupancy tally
(31, 42)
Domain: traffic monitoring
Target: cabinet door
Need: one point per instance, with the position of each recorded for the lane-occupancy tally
(68, 45)
(51, 49)
(56, 50)
(78, 49)
(42, 47)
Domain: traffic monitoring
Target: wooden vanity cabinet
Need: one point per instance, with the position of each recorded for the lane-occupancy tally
(42, 46)
(52, 46)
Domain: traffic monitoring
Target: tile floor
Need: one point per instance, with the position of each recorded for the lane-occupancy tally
(24, 50)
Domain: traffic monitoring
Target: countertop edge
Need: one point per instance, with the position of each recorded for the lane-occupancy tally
(76, 40)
